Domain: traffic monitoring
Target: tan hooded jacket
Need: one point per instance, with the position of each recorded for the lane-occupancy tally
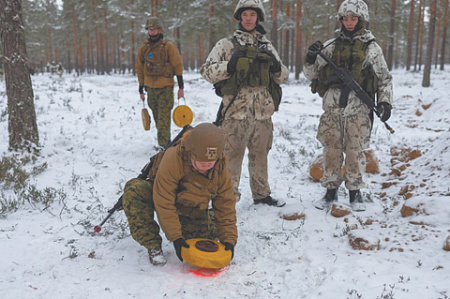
(180, 190)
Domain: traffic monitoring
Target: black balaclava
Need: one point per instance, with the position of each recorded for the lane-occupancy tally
(156, 38)
(358, 27)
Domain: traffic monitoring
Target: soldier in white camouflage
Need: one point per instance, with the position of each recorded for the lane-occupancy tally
(248, 59)
(346, 123)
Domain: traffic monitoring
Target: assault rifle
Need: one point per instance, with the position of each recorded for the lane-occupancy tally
(143, 176)
(351, 84)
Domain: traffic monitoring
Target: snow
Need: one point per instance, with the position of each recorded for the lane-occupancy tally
(93, 142)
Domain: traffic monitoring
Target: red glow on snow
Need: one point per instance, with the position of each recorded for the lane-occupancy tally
(206, 272)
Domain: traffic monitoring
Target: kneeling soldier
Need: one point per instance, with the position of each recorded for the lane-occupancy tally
(189, 177)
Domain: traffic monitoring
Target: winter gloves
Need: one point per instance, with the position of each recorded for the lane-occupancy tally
(229, 246)
(177, 244)
(141, 89)
(384, 111)
(313, 50)
(180, 242)
(276, 65)
(231, 66)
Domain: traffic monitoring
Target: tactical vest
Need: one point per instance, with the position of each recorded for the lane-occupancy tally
(349, 55)
(155, 60)
(251, 70)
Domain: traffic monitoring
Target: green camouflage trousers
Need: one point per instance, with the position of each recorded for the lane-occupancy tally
(339, 135)
(256, 135)
(140, 211)
(160, 101)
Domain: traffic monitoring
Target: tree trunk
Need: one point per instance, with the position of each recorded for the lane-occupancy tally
(210, 25)
(286, 40)
(419, 21)
(298, 33)
(444, 35)
(107, 58)
(22, 126)
(274, 33)
(390, 58)
(75, 40)
(437, 37)
(422, 29)
(431, 32)
(410, 36)
(133, 48)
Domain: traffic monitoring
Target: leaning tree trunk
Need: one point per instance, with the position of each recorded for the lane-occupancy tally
(22, 127)
(431, 32)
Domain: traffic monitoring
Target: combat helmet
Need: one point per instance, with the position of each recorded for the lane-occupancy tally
(205, 142)
(356, 8)
(153, 22)
(250, 4)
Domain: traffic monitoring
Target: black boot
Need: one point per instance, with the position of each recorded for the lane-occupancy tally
(269, 201)
(356, 201)
(326, 201)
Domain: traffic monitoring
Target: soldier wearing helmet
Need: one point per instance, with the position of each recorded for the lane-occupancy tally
(346, 123)
(189, 176)
(244, 66)
(157, 62)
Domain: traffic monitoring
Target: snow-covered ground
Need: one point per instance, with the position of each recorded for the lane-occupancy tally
(93, 142)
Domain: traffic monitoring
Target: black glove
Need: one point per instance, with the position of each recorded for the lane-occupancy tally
(276, 64)
(313, 50)
(177, 245)
(231, 66)
(141, 89)
(229, 246)
(384, 111)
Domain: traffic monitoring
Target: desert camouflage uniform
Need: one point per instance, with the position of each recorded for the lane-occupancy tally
(347, 130)
(180, 196)
(248, 121)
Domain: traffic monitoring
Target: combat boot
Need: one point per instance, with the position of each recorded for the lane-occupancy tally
(156, 256)
(269, 201)
(326, 201)
(356, 201)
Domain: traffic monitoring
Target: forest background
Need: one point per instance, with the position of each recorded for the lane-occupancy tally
(102, 36)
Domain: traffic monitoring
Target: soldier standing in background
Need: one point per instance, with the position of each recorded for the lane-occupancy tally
(246, 63)
(157, 62)
(188, 177)
(346, 122)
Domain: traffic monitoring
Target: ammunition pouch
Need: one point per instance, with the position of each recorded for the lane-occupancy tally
(251, 70)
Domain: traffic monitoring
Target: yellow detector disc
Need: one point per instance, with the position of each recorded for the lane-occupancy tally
(206, 259)
(182, 115)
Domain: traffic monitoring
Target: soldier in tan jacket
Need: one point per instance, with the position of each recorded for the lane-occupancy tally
(190, 177)
(157, 61)
(250, 59)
